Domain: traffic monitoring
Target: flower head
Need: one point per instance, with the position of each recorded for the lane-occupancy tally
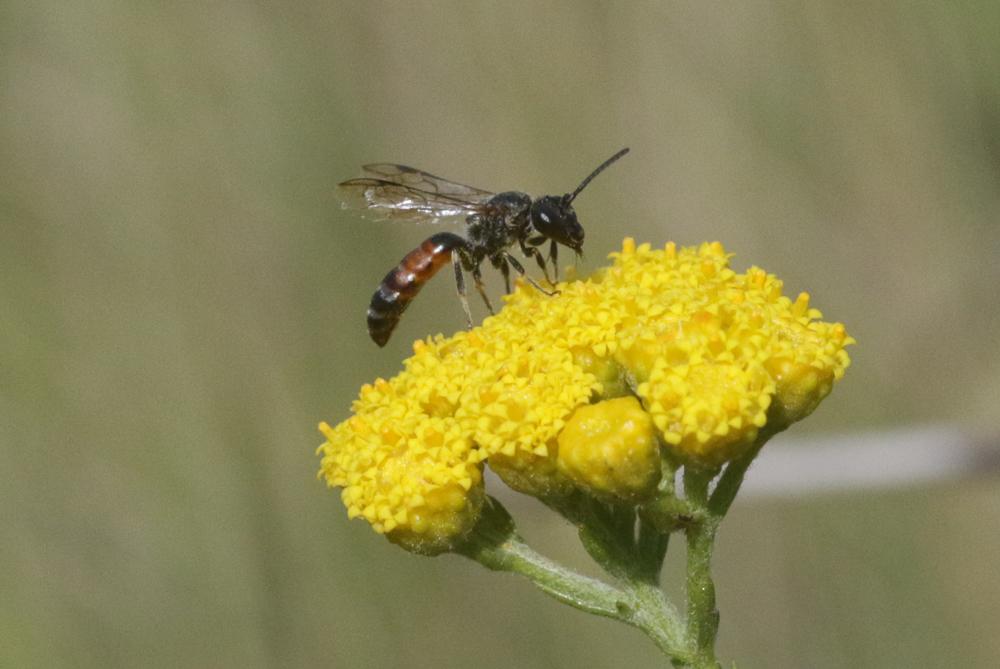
(702, 358)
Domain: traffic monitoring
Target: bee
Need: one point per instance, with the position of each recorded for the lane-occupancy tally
(495, 224)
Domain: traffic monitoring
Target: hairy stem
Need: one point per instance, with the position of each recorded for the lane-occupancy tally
(569, 587)
(631, 547)
(702, 615)
(637, 602)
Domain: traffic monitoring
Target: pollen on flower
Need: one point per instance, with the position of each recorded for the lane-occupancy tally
(706, 355)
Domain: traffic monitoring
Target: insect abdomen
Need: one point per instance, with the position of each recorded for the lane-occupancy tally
(405, 280)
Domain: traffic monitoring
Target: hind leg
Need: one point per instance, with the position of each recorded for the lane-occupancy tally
(460, 285)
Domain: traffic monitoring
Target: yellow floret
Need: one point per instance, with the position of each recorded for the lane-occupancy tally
(708, 413)
(441, 517)
(610, 449)
(405, 474)
(713, 356)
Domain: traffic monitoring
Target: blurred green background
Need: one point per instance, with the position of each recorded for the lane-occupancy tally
(182, 300)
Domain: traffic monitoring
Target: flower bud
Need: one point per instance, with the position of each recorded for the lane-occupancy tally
(610, 449)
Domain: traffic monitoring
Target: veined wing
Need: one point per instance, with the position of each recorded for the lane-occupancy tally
(424, 181)
(383, 199)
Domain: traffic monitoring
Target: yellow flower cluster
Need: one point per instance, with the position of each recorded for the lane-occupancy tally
(701, 356)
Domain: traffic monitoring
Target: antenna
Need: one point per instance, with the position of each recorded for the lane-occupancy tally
(603, 166)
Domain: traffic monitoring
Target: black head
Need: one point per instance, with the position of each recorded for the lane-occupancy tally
(553, 216)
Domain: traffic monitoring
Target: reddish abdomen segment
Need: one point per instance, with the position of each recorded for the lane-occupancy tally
(404, 281)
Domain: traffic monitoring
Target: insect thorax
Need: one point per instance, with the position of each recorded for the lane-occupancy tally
(498, 227)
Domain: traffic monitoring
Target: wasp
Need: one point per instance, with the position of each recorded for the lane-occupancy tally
(495, 224)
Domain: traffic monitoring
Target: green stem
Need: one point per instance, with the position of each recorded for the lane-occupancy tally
(702, 614)
(579, 591)
(651, 549)
(631, 548)
(655, 616)
(731, 480)
(606, 535)
(639, 603)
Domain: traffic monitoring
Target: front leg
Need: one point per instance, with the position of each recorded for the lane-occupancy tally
(533, 252)
(520, 270)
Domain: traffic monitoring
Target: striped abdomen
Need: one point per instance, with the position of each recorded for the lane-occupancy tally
(404, 281)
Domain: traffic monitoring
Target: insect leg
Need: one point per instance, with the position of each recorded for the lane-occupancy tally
(554, 257)
(477, 276)
(532, 252)
(505, 270)
(456, 260)
(520, 270)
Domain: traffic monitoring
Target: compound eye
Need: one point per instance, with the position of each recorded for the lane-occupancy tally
(547, 217)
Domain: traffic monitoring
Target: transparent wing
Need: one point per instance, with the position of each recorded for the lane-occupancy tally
(425, 182)
(380, 199)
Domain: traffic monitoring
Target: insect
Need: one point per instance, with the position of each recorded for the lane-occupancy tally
(495, 223)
